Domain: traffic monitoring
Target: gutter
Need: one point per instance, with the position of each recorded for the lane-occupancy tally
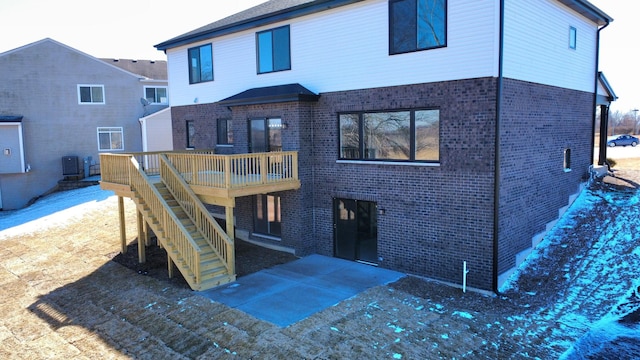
(496, 181)
(602, 146)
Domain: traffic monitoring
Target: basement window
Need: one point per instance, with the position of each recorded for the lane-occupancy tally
(567, 160)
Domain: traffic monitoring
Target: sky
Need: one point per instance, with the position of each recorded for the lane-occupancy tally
(128, 29)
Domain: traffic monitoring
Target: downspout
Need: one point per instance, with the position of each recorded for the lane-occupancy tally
(496, 181)
(602, 146)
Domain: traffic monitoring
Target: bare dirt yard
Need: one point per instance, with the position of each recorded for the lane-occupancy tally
(64, 293)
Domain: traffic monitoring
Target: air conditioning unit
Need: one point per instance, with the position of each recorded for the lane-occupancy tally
(70, 166)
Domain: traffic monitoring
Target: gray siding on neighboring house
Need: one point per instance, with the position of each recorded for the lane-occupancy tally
(40, 82)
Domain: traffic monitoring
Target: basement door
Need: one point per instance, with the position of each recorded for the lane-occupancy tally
(355, 230)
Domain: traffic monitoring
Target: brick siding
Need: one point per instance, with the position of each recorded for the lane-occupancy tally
(435, 217)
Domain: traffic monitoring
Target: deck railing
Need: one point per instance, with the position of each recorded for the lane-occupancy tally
(212, 232)
(206, 169)
(235, 171)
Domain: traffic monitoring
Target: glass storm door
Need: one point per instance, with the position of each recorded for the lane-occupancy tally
(356, 230)
(266, 135)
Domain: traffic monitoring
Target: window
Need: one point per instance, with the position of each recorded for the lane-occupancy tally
(416, 25)
(200, 64)
(567, 160)
(225, 132)
(110, 138)
(409, 135)
(267, 215)
(91, 94)
(572, 37)
(273, 50)
(191, 134)
(156, 95)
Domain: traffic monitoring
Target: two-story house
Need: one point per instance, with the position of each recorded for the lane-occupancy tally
(60, 108)
(431, 135)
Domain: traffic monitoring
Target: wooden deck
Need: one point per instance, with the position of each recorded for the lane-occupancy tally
(169, 189)
(216, 179)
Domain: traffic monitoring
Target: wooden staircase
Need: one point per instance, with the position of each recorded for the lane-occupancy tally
(194, 241)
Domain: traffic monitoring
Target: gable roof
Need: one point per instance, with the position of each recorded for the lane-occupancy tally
(277, 10)
(263, 14)
(49, 40)
(605, 92)
(588, 10)
(151, 69)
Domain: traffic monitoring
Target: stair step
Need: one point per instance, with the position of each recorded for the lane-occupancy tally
(212, 266)
(210, 283)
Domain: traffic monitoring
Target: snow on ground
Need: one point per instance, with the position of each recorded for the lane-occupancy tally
(604, 273)
(581, 311)
(53, 210)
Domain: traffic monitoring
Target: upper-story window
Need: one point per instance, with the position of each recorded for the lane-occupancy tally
(573, 33)
(200, 64)
(407, 135)
(417, 25)
(156, 94)
(90, 94)
(273, 49)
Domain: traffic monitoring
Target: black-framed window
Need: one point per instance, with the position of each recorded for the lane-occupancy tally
(573, 35)
(191, 134)
(200, 64)
(399, 135)
(417, 25)
(273, 50)
(567, 159)
(225, 132)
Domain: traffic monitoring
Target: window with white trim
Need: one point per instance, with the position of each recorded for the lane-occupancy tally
(110, 139)
(90, 94)
(156, 95)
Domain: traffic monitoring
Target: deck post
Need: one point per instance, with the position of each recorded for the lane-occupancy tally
(169, 266)
(123, 231)
(147, 237)
(228, 211)
(141, 245)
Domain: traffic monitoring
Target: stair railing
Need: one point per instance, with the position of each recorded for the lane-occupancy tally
(169, 229)
(213, 233)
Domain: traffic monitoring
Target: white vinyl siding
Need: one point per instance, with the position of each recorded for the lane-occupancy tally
(536, 45)
(352, 53)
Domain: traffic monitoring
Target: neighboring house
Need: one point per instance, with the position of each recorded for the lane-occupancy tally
(156, 131)
(431, 134)
(60, 108)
